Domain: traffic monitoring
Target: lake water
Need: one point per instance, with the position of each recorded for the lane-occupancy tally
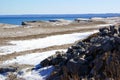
(18, 19)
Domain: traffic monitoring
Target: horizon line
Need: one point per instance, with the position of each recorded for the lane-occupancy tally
(58, 14)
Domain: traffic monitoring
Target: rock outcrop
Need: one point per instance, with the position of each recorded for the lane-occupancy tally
(94, 58)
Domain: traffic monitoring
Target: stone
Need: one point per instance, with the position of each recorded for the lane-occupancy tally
(69, 50)
(97, 58)
(107, 44)
(77, 67)
(113, 30)
(57, 61)
(7, 69)
(104, 31)
(45, 62)
(54, 60)
(119, 29)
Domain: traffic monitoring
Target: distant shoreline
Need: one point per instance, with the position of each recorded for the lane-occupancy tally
(18, 19)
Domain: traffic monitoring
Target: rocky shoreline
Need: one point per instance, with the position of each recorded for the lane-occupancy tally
(94, 58)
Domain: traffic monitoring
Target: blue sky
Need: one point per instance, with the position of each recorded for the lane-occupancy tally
(59, 6)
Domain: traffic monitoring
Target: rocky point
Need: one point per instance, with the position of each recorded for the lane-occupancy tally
(94, 58)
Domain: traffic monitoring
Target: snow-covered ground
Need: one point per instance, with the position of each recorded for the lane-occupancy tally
(32, 59)
(39, 74)
(36, 58)
(23, 45)
(104, 25)
(2, 77)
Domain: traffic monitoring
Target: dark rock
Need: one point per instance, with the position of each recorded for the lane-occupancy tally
(69, 50)
(119, 29)
(113, 30)
(89, 58)
(77, 67)
(23, 23)
(93, 50)
(80, 43)
(81, 51)
(98, 63)
(57, 61)
(97, 58)
(7, 69)
(75, 47)
(104, 31)
(108, 44)
(54, 60)
(45, 62)
(96, 40)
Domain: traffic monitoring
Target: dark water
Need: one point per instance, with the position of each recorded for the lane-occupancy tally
(18, 19)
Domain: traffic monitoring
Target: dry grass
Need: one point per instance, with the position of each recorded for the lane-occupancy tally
(89, 37)
(15, 54)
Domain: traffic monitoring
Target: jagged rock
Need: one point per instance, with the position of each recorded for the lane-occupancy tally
(113, 30)
(119, 29)
(57, 60)
(104, 31)
(45, 62)
(97, 58)
(108, 44)
(54, 60)
(96, 40)
(78, 67)
(94, 50)
(69, 50)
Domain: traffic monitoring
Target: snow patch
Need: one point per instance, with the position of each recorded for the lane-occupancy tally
(2, 77)
(23, 45)
(31, 59)
(39, 74)
(104, 25)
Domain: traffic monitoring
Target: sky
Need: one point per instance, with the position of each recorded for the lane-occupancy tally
(59, 6)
